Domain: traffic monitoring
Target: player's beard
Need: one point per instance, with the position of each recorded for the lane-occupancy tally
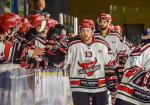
(85, 37)
(103, 27)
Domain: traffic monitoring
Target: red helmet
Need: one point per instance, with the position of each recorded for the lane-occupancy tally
(9, 20)
(87, 23)
(36, 20)
(104, 16)
(51, 23)
(112, 27)
(25, 24)
(117, 27)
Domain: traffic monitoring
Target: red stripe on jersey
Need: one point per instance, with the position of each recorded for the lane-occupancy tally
(75, 82)
(74, 42)
(145, 47)
(129, 44)
(109, 64)
(101, 82)
(23, 53)
(130, 72)
(138, 52)
(24, 64)
(126, 89)
(111, 78)
(8, 46)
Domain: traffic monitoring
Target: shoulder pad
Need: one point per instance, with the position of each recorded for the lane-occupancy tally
(145, 45)
(74, 40)
(116, 34)
(136, 51)
(100, 40)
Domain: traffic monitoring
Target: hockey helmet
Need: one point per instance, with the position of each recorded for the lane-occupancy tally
(25, 25)
(9, 21)
(38, 20)
(87, 23)
(51, 23)
(104, 16)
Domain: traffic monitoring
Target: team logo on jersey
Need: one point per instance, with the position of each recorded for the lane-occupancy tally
(88, 67)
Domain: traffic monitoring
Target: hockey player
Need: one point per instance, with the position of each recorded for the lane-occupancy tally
(10, 24)
(24, 28)
(48, 39)
(123, 54)
(110, 35)
(122, 58)
(14, 55)
(127, 45)
(135, 86)
(39, 23)
(49, 36)
(86, 58)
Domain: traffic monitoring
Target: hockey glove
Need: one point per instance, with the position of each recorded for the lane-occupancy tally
(111, 79)
(119, 72)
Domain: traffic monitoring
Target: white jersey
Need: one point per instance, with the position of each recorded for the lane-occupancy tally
(137, 66)
(86, 65)
(127, 47)
(2, 47)
(115, 42)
